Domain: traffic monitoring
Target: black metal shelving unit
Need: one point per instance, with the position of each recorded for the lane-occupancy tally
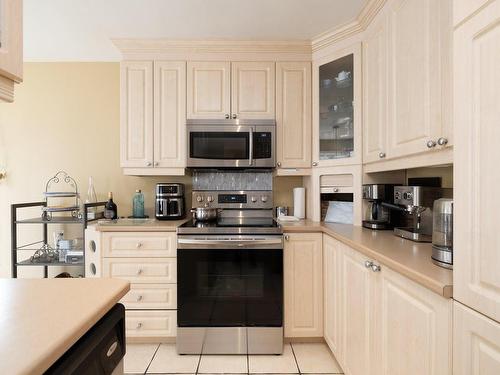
(33, 246)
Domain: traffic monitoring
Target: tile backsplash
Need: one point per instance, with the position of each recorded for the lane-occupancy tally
(232, 180)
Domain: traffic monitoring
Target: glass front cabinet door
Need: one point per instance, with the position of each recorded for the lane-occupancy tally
(337, 120)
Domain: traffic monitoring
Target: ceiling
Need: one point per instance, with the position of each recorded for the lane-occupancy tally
(80, 30)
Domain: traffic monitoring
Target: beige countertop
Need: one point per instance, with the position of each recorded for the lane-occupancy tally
(411, 259)
(42, 318)
(138, 225)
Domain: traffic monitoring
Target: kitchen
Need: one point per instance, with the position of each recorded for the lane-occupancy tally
(371, 128)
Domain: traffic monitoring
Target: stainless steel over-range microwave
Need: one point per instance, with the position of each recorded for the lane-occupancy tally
(231, 143)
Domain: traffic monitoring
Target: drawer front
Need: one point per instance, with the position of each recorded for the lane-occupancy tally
(141, 270)
(139, 244)
(150, 323)
(336, 180)
(151, 296)
(336, 189)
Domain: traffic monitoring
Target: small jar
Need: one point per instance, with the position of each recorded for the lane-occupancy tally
(138, 205)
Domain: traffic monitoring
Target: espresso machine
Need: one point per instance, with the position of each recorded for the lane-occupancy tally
(417, 202)
(378, 216)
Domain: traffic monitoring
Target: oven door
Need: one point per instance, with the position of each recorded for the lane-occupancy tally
(224, 286)
(220, 146)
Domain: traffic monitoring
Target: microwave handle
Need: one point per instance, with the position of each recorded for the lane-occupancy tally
(250, 156)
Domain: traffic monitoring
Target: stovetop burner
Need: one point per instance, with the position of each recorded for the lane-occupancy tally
(231, 225)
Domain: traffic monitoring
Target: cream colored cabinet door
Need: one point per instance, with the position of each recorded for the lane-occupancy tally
(357, 313)
(253, 90)
(293, 114)
(136, 114)
(476, 275)
(208, 90)
(375, 95)
(303, 278)
(417, 46)
(332, 301)
(413, 332)
(476, 343)
(170, 114)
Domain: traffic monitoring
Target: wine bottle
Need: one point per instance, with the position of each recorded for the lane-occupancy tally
(110, 209)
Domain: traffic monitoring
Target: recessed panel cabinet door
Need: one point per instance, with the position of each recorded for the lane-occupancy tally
(252, 88)
(414, 76)
(476, 275)
(413, 330)
(170, 114)
(208, 90)
(375, 92)
(476, 343)
(293, 114)
(136, 114)
(303, 279)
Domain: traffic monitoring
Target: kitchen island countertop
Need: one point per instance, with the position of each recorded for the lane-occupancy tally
(40, 319)
(409, 258)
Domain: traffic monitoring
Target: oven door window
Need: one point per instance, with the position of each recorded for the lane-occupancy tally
(219, 145)
(227, 288)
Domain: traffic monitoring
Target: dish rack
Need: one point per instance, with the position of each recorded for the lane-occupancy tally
(68, 188)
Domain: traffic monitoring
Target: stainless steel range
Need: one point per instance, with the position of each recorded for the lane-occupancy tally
(230, 277)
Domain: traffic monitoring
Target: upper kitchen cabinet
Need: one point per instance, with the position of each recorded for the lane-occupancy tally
(209, 90)
(223, 90)
(293, 117)
(252, 90)
(477, 112)
(11, 47)
(336, 109)
(153, 117)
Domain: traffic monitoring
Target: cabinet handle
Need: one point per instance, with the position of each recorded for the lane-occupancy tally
(335, 190)
(226, 116)
(148, 164)
(139, 325)
(278, 164)
(287, 237)
(381, 155)
(442, 141)
(368, 263)
(375, 267)
(235, 115)
(431, 144)
(139, 271)
(155, 163)
(138, 244)
(139, 298)
(315, 164)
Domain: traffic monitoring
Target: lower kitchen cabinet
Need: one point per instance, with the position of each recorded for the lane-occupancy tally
(150, 324)
(388, 324)
(303, 279)
(476, 342)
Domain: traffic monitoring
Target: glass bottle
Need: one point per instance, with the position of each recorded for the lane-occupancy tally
(138, 205)
(91, 198)
(110, 209)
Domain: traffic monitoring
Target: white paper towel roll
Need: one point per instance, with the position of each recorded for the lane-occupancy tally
(299, 202)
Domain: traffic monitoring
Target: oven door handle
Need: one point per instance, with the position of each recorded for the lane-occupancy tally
(250, 155)
(232, 243)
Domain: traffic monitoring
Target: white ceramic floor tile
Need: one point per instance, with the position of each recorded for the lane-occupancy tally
(223, 364)
(315, 358)
(168, 361)
(273, 364)
(138, 357)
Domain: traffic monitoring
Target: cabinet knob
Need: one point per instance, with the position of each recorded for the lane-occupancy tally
(381, 155)
(442, 141)
(138, 244)
(226, 116)
(287, 237)
(139, 298)
(368, 263)
(235, 115)
(156, 163)
(139, 325)
(139, 271)
(278, 164)
(335, 190)
(375, 267)
(149, 164)
(431, 144)
(315, 164)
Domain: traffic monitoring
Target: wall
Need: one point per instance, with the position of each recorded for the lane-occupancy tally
(66, 117)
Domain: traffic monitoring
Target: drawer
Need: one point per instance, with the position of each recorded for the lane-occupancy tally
(141, 270)
(150, 323)
(139, 244)
(336, 180)
(151, 297)
(336, 189)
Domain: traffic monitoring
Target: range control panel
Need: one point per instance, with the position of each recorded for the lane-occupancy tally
(245, 199)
